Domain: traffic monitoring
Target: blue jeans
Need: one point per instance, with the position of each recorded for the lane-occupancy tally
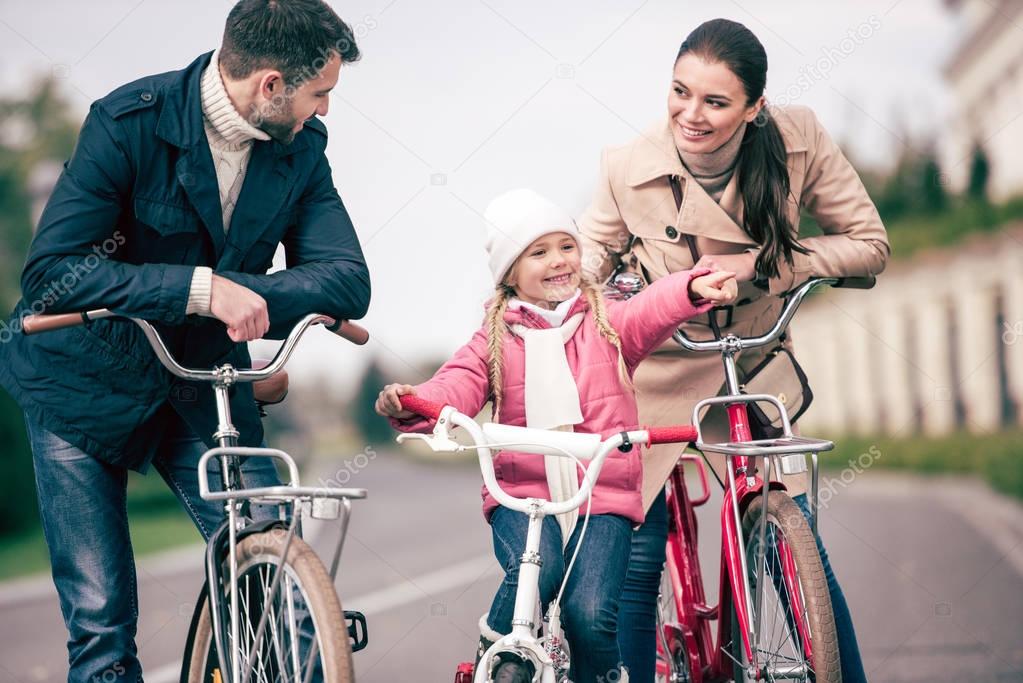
(637, 616)
(590, 605)
(82, 506)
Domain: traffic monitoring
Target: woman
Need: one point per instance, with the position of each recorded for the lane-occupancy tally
(743, 174)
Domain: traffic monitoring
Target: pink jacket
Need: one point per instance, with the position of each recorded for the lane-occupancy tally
(643, 323)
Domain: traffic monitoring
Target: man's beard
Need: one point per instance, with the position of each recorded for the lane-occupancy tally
(279, 125)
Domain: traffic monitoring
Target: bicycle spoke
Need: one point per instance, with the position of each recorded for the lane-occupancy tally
(272, 626)
(779, 641)
(249, 633)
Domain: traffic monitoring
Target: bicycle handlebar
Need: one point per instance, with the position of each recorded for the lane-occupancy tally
(538, 441)
(673, 434)
(792, 301)
(421, 406)
(36, 324)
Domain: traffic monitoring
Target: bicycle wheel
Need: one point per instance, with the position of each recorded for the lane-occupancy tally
(305, 615)
(513, 672)
(672, 654)
(797, 638)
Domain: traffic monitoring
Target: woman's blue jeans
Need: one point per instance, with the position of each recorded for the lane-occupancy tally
(637, 614)
(590, 606)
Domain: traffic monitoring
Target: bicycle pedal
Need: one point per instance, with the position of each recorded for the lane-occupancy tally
(357, 629)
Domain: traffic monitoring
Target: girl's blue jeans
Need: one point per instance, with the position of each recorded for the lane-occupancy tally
(638, 606)
(589, 609)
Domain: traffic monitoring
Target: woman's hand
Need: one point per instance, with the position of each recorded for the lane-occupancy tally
(719, 287)
(743, 265)
(389, 405)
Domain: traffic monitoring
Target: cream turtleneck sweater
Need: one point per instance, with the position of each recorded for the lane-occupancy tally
(230, 138)
(714, 169)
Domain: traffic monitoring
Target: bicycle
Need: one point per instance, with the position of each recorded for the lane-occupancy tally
(774, 616)
(523, 655)
(273, 612)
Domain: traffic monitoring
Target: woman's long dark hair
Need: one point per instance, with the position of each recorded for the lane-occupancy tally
(763, 173)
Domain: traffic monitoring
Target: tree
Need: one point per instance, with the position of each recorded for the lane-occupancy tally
(980, 173)
(375, 429)
(933, 195)
(36, 130)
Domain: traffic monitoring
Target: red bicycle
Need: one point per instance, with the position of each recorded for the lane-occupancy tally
(774, 616)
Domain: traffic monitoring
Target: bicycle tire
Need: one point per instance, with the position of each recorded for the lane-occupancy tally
(513, 671)
(312, 583)
(784, 518)
(672, 663)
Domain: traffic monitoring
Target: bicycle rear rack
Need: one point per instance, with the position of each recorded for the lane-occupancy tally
(784, 445)
(284, 493)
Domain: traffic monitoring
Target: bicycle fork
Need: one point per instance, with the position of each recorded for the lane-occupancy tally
(522, 639)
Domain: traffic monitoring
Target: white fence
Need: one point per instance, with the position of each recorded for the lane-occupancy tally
(936, 346)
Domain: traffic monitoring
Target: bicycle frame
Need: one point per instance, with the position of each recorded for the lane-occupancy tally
(324, 503)
(522, 641)
(707, 656)
(236, 498)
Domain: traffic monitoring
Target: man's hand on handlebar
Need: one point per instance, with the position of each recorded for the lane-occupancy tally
(389, 402)
(242, 310)
(720, 287)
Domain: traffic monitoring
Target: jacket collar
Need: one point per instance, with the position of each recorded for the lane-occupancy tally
(655, 157)
(180, 121)
(268, 179)
(528, 318)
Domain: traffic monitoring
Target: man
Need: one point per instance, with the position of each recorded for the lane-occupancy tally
(179, 190)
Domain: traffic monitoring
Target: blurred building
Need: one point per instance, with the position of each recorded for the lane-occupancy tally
(935, 347)
(985, 76)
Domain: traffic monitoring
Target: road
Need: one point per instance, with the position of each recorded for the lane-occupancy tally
(933, 570)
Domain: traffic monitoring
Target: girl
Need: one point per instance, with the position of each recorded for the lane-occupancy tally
(553, 354)
(741, 173)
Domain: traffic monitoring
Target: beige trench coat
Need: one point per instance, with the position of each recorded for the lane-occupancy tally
(633, 197)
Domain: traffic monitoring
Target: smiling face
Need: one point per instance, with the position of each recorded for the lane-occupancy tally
(548, 270)
(284, 109)
(706, 104)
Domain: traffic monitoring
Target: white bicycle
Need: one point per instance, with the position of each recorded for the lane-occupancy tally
(523, 655)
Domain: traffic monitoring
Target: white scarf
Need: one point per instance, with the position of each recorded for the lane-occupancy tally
(552, 398)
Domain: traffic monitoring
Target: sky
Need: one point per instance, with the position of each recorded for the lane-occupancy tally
(456, 101)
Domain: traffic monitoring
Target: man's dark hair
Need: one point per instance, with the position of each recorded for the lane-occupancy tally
(296, 37)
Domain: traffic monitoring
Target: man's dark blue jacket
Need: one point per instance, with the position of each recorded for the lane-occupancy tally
(136, 208)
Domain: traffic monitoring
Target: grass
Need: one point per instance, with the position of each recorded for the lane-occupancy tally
(911, 234)
(26, 553)
(915, 232)
(156, 522)
(997, 458)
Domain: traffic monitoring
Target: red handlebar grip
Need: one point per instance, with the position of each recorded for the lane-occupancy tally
(673, 434)
(421, 406)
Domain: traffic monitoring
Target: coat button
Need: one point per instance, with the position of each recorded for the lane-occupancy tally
(146, 97)
(671, 232)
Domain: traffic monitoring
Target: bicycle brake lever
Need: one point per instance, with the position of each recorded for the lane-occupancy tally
(437, 443)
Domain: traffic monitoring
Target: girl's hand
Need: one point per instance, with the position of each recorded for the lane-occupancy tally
(389, 405)
(719, 287)
(743, 265)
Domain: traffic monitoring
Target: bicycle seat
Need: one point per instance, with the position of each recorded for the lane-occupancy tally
(272, 389)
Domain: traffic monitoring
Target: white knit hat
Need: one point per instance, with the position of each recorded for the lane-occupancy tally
(514, 220)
